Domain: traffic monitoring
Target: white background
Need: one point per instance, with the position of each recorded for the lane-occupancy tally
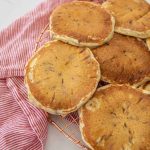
(9, 11)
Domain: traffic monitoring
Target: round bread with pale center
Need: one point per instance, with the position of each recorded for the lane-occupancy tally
(116, 118)
(60, 77)
(124, 60)
(132, 16)
(84, 24)
(148, 43)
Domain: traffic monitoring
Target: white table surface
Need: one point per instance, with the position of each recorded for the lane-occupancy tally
(9, 11)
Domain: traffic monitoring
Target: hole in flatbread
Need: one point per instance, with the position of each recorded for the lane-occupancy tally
(93, 104)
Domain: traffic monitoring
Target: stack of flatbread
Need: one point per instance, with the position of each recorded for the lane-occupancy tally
(98, 63)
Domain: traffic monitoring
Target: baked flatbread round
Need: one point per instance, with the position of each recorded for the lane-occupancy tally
(148, 43)
(61, 77)
(82, 24)
(132, 16)
(116, 118)
(124, 60)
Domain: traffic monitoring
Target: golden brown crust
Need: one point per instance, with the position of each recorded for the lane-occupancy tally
(132, 16)
(116, 118)
(57, 74)
(124, 60)
(76, 21)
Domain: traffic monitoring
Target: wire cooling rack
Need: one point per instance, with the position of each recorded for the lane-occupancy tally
(69, 125)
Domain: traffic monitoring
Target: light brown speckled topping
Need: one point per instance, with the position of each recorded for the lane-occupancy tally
(132, 16)
(124, 60)
(85, 22)
(116, 118)
(61, 77)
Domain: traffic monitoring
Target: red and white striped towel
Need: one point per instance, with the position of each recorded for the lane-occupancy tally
(22, 126)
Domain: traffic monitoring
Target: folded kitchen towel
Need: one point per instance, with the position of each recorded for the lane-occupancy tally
(22, 126)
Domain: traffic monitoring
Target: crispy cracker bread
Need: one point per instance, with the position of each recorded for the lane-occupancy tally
(124, 60)
(132, 16)
(116, 118)
(76, 23)
(57, 74)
